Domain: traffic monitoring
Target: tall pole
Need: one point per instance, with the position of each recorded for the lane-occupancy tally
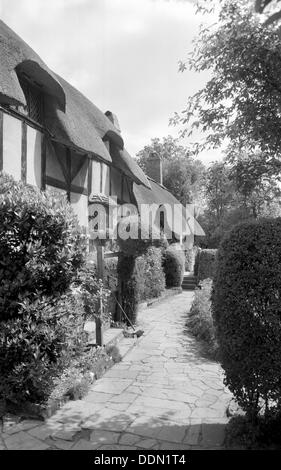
(100, 273)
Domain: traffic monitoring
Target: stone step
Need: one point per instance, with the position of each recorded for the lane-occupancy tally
(112, 335)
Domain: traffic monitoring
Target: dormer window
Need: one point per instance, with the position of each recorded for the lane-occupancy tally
(34, 99)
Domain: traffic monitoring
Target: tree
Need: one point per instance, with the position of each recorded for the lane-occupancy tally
(236, 193)
(241, 103)
(182, 174)
(257, 185)
(219, 190)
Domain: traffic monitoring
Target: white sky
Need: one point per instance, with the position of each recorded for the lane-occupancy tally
(122, 54)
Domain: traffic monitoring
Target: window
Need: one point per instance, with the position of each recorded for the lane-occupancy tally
(34, 99)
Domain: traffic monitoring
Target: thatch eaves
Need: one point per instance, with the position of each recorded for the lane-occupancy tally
(17, 56)
(81, 125)
(70, 117)
(123, 160)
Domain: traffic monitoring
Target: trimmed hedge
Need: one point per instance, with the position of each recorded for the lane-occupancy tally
(205, 264)
(173, 265)
(40, 245)
(141, 278)
(152, 281)
(246, 306)
(127, 269)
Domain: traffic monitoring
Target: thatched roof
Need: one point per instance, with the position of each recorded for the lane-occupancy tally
(160, 195)
(123, 160)
(82, 125)
(16, 55)
(70, 117)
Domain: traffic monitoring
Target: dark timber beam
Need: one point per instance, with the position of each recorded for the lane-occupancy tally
(43, 162)
(23, 150)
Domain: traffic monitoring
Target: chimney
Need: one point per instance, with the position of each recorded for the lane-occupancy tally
(113, 118)
(154, 167)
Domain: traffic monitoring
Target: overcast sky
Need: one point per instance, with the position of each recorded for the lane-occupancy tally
(122, 54)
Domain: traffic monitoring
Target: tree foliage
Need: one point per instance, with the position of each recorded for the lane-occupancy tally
(235, 193)
(241, 102)
(182, 174)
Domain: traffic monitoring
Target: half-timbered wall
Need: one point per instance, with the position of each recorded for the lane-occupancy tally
(21, 149)
(28, 154)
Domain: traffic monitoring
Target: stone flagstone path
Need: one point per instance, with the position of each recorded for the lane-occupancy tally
(163, 395)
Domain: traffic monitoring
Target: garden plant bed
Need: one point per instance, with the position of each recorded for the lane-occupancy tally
(72, 385)
(167, 293)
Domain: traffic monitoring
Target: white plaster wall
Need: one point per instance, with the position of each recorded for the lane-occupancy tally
(79, 204)
(105, 179)
(12, 131)
(33, 156)
(96, 176)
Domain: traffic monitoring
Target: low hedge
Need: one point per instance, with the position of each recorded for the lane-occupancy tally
(200, 320)
(246, 306)
(173, 265)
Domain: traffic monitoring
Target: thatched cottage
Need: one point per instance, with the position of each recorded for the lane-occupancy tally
(52, 136)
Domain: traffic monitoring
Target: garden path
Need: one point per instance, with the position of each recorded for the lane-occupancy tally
(164, 395)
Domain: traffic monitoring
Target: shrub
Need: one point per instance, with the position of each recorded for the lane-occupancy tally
(200, 320)
(94, 295)
(40, 245)
(206, 264)
(173, 264)
(127, 269)
(196, 261)
(141, 278)
(151, 277)
(246, 305)
(113, 352)
(34, 349)
(264, 433)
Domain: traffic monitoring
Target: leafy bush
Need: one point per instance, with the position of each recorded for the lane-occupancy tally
(246, 306)
(127, 269)
(141, 278)
(205, 264)
(113, 352)
(151, 277)
(196, 262)
(111, 282)
(34, 349)
(94, 295)
(173, 264)
(200, 320)
(264, 433)
(40, 245)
